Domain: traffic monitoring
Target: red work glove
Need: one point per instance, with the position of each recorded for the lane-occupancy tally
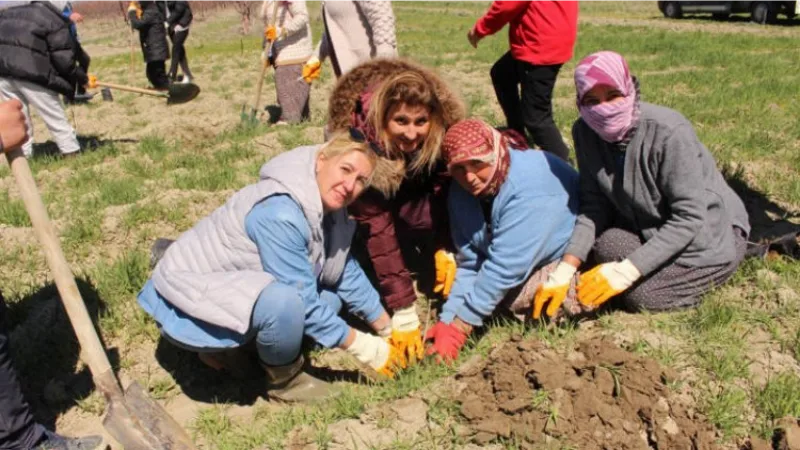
(447, 341)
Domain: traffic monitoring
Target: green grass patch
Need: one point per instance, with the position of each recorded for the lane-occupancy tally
(13, 212)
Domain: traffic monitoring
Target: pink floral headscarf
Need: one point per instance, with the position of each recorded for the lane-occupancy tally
(612, 121)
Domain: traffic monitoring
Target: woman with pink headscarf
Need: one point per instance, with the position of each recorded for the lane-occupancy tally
(663, 225)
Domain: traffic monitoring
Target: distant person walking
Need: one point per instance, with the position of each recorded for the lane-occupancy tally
(149, 20)
(38, 62)
(355, 31)
(179, 19)
(541, 36)
(290, 34)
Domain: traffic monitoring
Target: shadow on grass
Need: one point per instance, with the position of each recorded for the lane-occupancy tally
(45, 351)
(767, 219)
(88, 143)
(201, 383)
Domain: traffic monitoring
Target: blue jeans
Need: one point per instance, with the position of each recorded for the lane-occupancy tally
(277, 325)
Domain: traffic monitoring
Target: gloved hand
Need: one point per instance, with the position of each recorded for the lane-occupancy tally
(553, 290)
(445, 272)
(605, 281)
(271, 33)
(312, 69)
(134, 6)
(448, 340)
(377, 353)
(92, 82)
(406, 334)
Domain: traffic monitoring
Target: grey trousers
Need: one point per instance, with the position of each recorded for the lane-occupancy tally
(292, 93)
(50, 109)
(673, 285)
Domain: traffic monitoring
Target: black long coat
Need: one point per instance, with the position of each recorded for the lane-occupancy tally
(152, 34)
(36, 46)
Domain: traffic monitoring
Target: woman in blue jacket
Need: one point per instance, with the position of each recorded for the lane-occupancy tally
(272, 265)
(511, 216)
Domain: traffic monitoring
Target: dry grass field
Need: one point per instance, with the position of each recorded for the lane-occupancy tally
(712, 377)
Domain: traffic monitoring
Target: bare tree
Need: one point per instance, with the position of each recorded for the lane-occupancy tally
(245, 9)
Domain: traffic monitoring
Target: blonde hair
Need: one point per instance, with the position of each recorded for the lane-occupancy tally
(342, 143)
(412, 89)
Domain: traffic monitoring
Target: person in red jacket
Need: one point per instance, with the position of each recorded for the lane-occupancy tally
(404, 109)
(541, 36)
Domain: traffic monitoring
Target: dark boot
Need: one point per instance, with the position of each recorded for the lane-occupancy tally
(158, 249)
(240, 362)
(291, 384)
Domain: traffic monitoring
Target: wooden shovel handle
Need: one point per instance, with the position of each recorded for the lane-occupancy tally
(93, 353)
(122, 87)
(267, 48)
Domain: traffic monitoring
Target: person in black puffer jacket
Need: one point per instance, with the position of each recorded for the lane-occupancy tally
(179, 19)
(38, 62)
(149, 20)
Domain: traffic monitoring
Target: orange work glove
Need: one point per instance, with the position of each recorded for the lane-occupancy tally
(134, 6)
(605, 281)
(377, 353)
(406, 335)
(312, 69)
(92, 82)
(445, 272)
(553, 291)
(271, 33)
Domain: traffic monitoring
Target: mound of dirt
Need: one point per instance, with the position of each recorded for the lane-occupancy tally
(598, 396)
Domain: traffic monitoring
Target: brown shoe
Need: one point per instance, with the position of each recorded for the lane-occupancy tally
(291, 384)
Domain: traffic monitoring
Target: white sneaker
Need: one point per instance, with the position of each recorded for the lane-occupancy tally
(186, 80)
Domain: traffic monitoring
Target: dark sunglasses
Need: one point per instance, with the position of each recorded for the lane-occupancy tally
(358, 136)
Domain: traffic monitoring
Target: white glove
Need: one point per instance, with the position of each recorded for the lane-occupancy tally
(561, 276)
(370, 350)
(166, 25)
(405, 319)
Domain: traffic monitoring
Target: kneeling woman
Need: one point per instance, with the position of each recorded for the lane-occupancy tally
(272, 265)
(511, 216)
(664, 225)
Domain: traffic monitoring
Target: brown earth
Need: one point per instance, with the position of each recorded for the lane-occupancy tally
(598, 396)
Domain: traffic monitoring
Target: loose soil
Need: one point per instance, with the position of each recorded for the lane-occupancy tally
(598, 396)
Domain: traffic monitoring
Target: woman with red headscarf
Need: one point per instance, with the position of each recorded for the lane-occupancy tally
(511, 216)
(662, 222)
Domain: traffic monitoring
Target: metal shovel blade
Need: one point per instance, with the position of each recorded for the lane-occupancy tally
(182, 93)
(155, 419)
(137, 422)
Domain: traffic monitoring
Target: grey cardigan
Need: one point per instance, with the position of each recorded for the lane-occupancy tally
(671, 193)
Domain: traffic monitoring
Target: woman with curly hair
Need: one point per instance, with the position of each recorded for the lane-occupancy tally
(403, 110)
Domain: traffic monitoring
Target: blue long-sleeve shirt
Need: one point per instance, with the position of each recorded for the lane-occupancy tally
(532, 217)
(279, 229)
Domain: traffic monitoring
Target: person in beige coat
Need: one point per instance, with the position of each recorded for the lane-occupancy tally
(290, 34)
(355, 31)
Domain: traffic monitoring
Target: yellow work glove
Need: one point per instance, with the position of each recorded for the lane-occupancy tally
(377, 353)
(92, 82)
(445, 272)
(553, 291)
(312, 70)
(605, 281)
(406, 334)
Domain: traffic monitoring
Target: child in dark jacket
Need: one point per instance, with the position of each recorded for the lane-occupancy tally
(179, 18)
(149, 20)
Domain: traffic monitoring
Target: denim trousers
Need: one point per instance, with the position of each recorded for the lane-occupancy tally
(277, 324)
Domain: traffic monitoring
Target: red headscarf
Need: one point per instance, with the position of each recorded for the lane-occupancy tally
(475, 140)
